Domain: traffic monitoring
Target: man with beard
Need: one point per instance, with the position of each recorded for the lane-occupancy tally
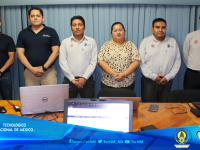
(38, 49)
(160, 63)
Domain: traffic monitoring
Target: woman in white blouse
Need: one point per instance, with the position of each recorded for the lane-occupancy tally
(118, 58)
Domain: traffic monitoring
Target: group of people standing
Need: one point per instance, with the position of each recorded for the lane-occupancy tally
(158, 58)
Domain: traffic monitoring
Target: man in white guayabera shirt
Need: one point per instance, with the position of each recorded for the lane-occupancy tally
(78, 60)
(160, 63)
(191, 57)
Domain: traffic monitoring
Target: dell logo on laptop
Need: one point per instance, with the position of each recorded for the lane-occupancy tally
(45, 99)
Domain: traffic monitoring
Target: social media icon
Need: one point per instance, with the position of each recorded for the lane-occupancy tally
(99, 141)
(127, 141)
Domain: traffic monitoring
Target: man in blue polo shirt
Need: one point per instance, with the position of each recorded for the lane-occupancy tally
(7, 58)
(37, 49)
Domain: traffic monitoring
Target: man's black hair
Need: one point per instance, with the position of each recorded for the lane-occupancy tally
(78, 17)
(157, 20)
(35, 8)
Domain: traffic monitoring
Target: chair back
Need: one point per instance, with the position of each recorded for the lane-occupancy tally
(116, 92)
(184, 96)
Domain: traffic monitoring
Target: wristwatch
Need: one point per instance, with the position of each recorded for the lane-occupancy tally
(44, 68)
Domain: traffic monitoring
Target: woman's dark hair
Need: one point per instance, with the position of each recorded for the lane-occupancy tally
(115, 24)
(78, 17)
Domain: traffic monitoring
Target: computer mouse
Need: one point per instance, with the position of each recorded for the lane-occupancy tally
(2, 109)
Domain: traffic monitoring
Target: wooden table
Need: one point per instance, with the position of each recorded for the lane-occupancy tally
(164, 118)
(11, 111)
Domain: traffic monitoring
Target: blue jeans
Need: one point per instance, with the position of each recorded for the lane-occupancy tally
(6, 86)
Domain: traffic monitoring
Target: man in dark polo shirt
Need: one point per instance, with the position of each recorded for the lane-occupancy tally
(7, 58)
(37, 49)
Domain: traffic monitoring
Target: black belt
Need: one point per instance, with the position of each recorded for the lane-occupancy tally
(194, 70)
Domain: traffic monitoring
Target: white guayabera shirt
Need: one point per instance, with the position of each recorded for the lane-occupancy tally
(161, 58)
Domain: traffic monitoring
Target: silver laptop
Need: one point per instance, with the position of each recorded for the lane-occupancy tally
(41, 99)
(136, 100)
(116, 115)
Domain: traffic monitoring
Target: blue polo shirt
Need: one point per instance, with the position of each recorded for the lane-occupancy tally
(6, 45)
(38, 46)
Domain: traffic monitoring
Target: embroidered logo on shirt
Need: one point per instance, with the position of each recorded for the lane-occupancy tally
(45, 35)
(71, 45)
(195, 41)
(82, 49)
(169, 46)
(85, 44)
(152, 45)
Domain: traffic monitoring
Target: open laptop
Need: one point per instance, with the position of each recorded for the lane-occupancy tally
(116, 115)
(41, 99)
(136, 100)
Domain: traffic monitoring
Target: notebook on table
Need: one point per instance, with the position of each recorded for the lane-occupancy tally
(116, 115)
(41, 99)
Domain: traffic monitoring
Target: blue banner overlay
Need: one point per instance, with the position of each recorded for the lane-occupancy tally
(22, 133)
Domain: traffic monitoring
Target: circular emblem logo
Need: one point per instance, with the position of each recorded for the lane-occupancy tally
(182, 136)
(152, 45)
(195, 41)
(71, 45)
(45, 99)
(198, 134)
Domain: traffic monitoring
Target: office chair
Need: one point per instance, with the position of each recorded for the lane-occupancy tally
(115, 92)
(184, 96)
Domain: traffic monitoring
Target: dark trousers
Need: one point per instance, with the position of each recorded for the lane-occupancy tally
(86, 92)
(191, 79)
(6, 86)
(103, 86)
(152, 91)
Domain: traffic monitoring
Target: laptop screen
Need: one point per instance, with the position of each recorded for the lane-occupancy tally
(136, 100)
(108, 114)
